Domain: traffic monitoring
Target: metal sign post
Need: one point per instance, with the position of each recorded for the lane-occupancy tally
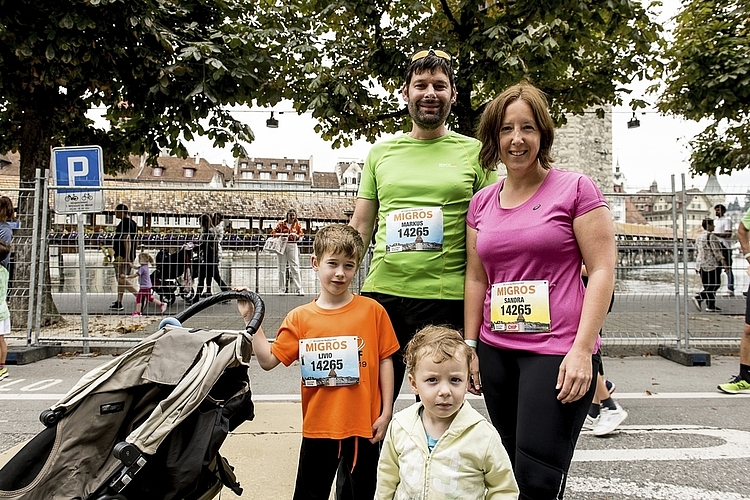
(78, 171)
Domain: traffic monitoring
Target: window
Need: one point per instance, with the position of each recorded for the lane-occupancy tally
(247, 175)
(158, 171)
(288, 166)
(189, 172)
(282, 176)
(274, 166)
(243, 164)
(265, 175)
(258, 165)
(303, 167)
(299, 177)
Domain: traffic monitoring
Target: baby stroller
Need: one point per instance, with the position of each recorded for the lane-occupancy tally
(148, 424)
(173, 275)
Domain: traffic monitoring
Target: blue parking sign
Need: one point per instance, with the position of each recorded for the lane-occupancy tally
(74, 168)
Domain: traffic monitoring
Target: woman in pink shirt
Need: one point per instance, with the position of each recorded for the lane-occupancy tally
(533, 324)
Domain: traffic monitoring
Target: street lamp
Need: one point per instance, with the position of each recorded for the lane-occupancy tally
(632, 123)
(272, 122)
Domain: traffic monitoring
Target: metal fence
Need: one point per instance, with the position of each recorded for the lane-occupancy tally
(652, 307)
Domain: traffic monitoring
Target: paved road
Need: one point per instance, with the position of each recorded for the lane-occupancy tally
(683, 439)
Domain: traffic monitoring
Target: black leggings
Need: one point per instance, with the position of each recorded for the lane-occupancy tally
(538, 431)
(408, 316)
(319, 459)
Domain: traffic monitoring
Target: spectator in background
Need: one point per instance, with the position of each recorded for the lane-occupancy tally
(124, 254)
(214, 271)
(7, 214)
(723, 230)
(290, 229)
(208, 259)
(4, 312)
(709, 259)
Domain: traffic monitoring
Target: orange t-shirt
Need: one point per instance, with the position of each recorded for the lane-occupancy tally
(340, 412)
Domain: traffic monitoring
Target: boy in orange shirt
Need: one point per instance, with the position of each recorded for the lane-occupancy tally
(344, 344)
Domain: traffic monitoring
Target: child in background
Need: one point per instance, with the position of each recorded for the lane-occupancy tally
(4, 312)
(440, 447)
(145, 293)
(344, 344)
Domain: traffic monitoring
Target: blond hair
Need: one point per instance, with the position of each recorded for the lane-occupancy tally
(147, 257)
(440, 343)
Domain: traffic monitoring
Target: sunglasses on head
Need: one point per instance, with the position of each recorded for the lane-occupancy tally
(437, 53)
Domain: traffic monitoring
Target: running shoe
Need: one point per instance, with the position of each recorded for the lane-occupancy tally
(713, 309)
(609, 420)
(697, 303)
(163, 307)
(590, 422)
(737, 385)
(611, 387)
(3, 372)
(135, 315)
(116, 306)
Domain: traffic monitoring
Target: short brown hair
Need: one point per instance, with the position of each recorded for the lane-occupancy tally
(339, 239)
(492, 119)
(440, 343)
(6, 209)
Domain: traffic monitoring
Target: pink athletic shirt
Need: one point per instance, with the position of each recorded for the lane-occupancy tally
(535, 241)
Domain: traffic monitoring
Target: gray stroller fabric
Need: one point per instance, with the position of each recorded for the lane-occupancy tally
(147, 391)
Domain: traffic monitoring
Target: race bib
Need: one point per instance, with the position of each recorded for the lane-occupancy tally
(329, 361)
(520, 306)
(414, 229)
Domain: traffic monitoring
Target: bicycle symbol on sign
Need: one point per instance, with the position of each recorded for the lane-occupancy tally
(87, 196)
(71, 197)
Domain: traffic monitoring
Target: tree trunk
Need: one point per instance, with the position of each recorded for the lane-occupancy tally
(35, 152)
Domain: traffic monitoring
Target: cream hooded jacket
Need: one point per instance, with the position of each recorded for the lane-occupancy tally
(467, 463)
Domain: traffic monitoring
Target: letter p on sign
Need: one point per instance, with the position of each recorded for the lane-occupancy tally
(78, 166)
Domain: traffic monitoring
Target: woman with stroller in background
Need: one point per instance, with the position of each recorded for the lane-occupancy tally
(208, 259)
(218, 222)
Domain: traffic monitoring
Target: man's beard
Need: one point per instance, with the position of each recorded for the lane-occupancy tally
(429, 121)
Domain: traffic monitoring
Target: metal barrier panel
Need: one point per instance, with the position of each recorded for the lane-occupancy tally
(650, 307)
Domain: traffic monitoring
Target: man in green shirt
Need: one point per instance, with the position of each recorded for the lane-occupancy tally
(418, 187)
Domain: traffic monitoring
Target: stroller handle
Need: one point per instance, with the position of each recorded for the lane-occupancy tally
(255, 321)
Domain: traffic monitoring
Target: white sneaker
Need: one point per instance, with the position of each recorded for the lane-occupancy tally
(590, 422)
(609, 420)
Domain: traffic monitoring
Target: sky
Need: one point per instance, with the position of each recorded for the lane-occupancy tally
(655, 151)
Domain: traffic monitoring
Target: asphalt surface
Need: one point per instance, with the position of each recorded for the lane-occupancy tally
(682, 439)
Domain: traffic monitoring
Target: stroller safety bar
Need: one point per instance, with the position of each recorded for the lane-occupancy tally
(255, 321)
